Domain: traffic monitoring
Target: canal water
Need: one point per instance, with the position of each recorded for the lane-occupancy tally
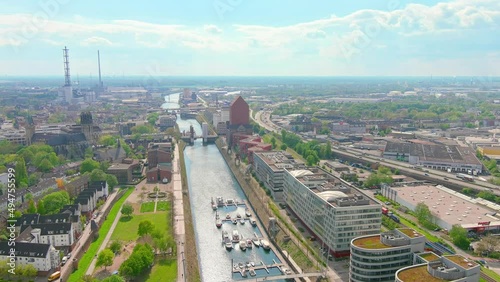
(208, 178)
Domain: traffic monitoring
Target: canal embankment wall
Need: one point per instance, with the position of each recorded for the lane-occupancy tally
(259, 201)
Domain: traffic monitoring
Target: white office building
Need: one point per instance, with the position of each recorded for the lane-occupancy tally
(376, 258)
(269, 167)
(331, 209)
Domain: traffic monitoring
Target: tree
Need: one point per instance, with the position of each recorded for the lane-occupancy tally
(111, 180)
(145, 227)
(53, 202)
(127, 209)
(160, 244)
(142, 129)
(88, 165)
(97, 175)
(152, 118)
(40, 208)
(89, 153)
(157, 233)
(273, 142)
(105, 258)
(283, 147)
(459, 236)
(31, 206)
(488, 244)
(113, 278)
(28, 271)
(21, 173)
(115, 246)
(107, 140)
(46, 166)
(423, 213)
(142, 258)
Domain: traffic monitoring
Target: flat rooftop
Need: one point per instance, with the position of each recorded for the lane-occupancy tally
(417, 274)
(446, 206)
(429, 256)
(434, 152)
(372, 242)
(462, 261)
(410, 232)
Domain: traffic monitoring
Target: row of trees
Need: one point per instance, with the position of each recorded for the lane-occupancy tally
(311, 151)
(21, 271)
(449, 109)
(381, 175)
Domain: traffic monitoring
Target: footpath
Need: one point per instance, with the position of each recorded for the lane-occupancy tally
(178, 209)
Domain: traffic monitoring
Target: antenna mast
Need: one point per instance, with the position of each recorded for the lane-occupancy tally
(67, 76)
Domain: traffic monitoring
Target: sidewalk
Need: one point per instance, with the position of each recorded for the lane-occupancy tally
(178, 209)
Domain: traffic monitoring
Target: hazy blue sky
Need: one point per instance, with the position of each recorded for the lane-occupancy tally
(251, 37)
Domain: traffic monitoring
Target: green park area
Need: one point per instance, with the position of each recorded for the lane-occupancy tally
(85, 261)
(126, 229)
(148, 207)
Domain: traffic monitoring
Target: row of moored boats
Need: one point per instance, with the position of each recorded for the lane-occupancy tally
(243, 243)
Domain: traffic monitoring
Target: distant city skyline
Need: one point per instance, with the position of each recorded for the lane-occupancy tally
(251, 38)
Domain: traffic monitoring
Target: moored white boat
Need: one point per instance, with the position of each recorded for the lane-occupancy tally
(265, 244)
(236, 236)
(252, 272)
(220, 201)
(253, 221)
(249, 243)
(256, 242)
(247, 213)
(243, 245)
(242, 221)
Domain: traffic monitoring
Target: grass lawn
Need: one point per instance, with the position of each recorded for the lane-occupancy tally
(491, 273)
(429, 236)
(163, 206)
(164, 270)
(298, 256)
(85, 261)
(126, 229)
(148, 207)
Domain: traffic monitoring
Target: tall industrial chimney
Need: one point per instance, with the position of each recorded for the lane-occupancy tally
(99, 65)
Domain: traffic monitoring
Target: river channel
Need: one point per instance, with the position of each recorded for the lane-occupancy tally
(210, 177)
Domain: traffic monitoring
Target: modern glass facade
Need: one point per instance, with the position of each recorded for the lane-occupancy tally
(333, 224)
(378, 258)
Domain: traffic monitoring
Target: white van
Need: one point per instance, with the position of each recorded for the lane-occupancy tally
(64, 260)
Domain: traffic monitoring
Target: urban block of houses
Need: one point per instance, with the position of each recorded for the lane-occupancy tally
(44, 257)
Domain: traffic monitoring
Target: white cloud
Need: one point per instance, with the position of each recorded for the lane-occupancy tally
(210, 28)
(95, 40)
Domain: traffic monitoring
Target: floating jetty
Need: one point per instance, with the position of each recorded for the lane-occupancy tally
(220, 202)
(240, 267)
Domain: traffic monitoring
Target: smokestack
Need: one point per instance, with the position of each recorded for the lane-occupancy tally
(99, 64)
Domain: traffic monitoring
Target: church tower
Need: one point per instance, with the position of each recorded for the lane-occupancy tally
(87, 126)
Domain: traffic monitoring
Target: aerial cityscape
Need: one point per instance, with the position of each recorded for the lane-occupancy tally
(250, 141)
